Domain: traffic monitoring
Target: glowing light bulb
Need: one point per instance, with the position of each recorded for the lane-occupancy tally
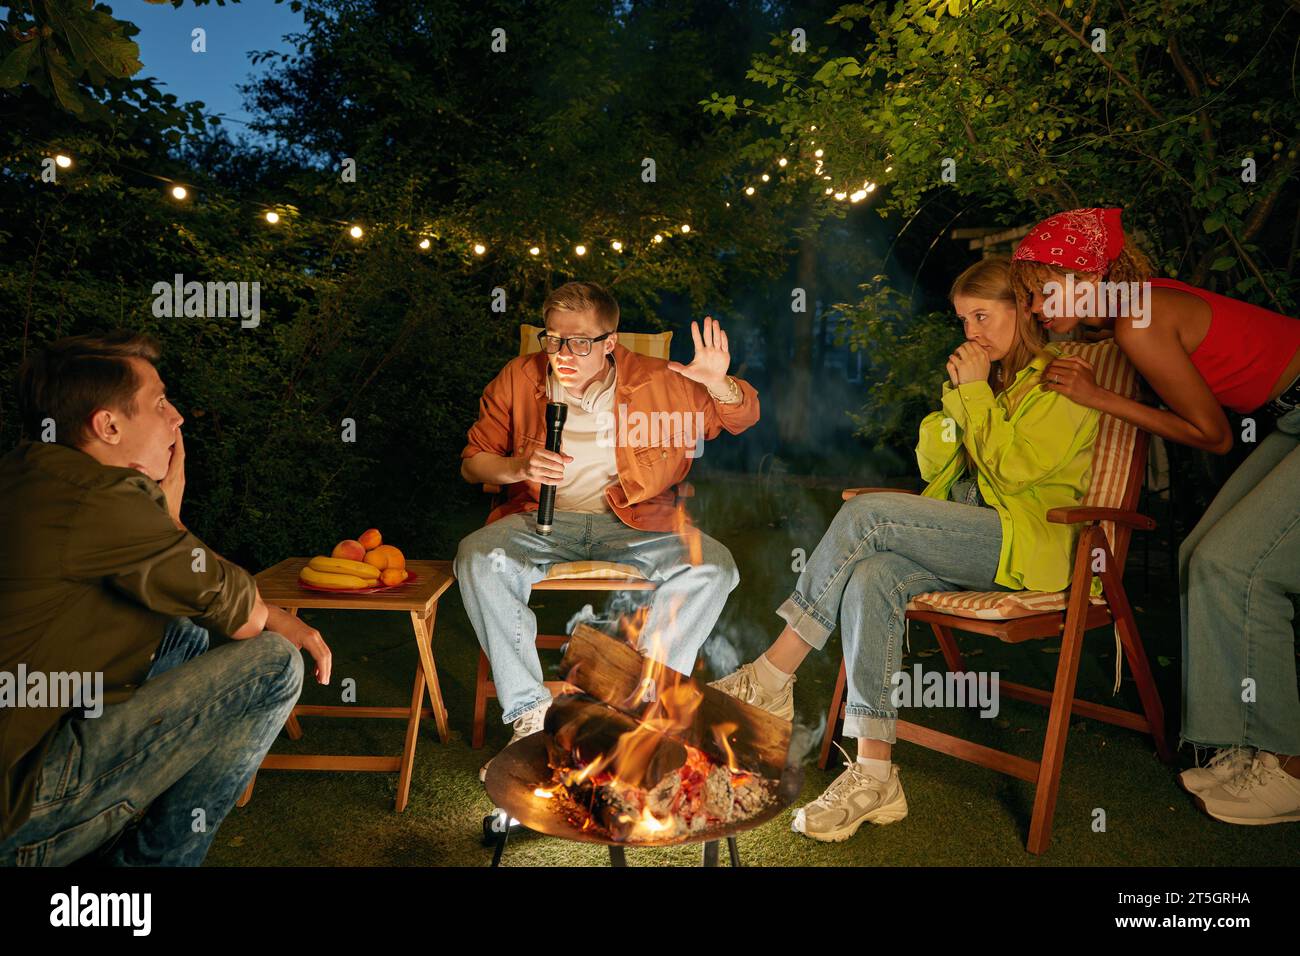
(782, 161)
(356, 232)
(424, 243)
(62, 161)
(686, 227)
(817, 153)
(889, 169)
(533, 250)
(765, 177)
(658, 237)
(871, 188)
(479, 248)
(179, 192)
(858, 196)
(273, 217)
(829, 190)
(580, 250)
(840, 195)
(749, 190)
(616, 246)
(812, 129)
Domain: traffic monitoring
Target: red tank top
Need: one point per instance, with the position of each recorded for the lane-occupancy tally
(1244, 350)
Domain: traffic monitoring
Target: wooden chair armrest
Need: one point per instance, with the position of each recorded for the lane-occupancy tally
(848, 493)
(1081, 515)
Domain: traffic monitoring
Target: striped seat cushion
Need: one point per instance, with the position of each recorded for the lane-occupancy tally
(1110, 463)
(653, 344)
(593, 571)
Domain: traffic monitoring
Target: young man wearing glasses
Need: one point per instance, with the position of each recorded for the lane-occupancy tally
(628, 439)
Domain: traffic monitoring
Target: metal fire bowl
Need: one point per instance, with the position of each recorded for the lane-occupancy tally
(522, 767)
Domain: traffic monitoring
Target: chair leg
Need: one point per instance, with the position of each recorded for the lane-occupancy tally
(1058, 721)
(948, 644)
(833, 717)
(1136, 656)
(480, 702)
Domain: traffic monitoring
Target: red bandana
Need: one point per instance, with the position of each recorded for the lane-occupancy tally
(1084, 240)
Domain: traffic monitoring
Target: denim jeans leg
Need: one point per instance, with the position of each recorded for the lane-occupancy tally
(496, 568)
(955, 542)
(1239, 664)
(176, 755)
(183, 640)
(691, 589)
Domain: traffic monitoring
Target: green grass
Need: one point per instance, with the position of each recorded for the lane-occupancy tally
(960, 814)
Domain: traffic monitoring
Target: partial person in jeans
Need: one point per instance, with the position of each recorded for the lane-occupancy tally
(633, 426)
(99, 577)
(1239, 569)
(1000, 455)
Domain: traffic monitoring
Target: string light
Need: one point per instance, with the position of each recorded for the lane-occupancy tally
(818, 153)
(63, 161)
(534, 251)
(273, 217)
(179, 192)
(356, 232)
(840, 195)
(765, 177)
(580, 250)
(858, 196)
(424, 243)
(749, 190)
(686, 227)
(782, 161)
(616, 246)
(479, 248)
(658, 237)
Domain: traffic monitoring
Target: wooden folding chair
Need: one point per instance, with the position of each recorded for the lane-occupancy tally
(575, 575)
(1119, 463)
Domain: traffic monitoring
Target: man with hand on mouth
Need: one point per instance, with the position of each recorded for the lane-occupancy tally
(98, 574)
(614, 487)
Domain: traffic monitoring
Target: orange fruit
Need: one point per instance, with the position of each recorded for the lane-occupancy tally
(371, 539)
(350, 549)
(393, 576)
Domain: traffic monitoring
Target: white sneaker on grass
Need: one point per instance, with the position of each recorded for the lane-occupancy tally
(855, 798)
(1263, 793)
(1226, 763)
(743, 684)
(525, 725)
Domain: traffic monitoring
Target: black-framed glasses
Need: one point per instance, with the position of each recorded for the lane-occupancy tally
(578, 344)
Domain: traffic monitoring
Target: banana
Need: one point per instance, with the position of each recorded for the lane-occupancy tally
(327, 579)
(357, 569)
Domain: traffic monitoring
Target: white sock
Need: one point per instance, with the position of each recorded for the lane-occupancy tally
(876, 768)
(769, 675)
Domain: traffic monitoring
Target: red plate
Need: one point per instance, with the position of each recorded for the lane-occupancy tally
(410, 576)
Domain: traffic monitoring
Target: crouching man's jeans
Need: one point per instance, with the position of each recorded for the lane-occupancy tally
(1237, 572)
(175, 756)
(497, 566)
(880, 551)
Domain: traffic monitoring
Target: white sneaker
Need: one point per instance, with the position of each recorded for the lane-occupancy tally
(1263, 793)
(856, 797)
(525, 725)
(1226, 764)
(744, 685)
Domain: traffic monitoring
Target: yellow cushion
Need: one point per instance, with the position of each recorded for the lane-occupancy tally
(653, 344)
(593, 570)
(1110, 462)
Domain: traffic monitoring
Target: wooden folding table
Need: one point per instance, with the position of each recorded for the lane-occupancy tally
(419, 598)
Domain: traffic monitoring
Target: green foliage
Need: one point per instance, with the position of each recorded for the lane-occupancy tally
(1037, 120)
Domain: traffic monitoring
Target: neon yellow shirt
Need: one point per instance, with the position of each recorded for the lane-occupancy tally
(1036, 458)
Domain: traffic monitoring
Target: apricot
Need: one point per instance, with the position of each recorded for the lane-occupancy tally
(371, 539)
(393, 576)
(350, 549)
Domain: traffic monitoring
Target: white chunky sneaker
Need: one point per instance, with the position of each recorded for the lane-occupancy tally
(855, 798)
(525, 725)
(1263, 793)
(744, 685)
(1226, 763)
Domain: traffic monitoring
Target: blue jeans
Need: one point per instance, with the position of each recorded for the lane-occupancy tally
(1236, 572)
(497, 566)
(174, 757)
(880, 551)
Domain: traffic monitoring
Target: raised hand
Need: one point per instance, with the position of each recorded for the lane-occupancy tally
(712, 356)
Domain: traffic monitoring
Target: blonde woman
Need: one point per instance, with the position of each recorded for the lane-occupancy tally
(1000, 454)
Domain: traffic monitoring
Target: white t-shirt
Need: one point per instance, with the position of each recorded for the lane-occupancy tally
(589, 435)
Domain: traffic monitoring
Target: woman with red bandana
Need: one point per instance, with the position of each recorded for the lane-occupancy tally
(1199, 352)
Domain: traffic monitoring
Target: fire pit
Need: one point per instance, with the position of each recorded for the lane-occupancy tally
(644, 757)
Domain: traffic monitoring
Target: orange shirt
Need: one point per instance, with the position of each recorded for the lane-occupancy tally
(660, 416)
